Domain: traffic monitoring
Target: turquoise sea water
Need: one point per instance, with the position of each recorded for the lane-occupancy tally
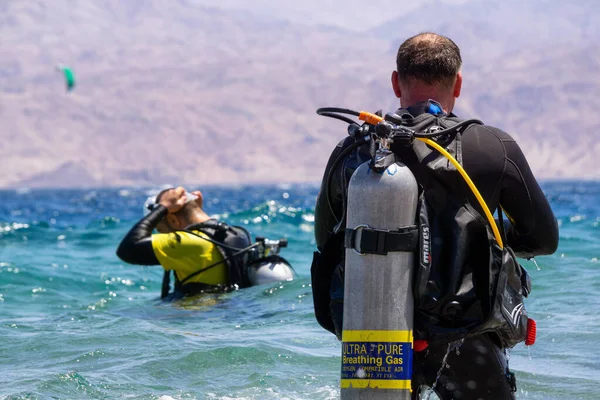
(77, 323)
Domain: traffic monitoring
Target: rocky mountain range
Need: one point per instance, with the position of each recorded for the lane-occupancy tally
(185, 92)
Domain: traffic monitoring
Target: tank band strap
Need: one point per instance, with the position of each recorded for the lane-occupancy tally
(379, 241)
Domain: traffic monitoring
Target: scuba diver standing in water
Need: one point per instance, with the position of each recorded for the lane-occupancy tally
(467, 286)
(206, 255)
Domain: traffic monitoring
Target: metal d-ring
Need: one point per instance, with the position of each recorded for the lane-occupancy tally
(356, 228)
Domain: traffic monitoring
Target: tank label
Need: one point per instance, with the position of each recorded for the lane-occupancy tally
(381, 359)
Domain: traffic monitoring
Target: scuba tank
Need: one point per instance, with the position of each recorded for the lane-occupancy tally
(269, 267)
(380, 240)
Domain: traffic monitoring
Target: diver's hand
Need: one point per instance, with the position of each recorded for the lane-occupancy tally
(173, 199)
(199, 198)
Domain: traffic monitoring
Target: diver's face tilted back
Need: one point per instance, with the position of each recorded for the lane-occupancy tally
(184, 208)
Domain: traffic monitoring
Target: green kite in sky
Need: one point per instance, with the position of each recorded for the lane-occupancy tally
(69, 76)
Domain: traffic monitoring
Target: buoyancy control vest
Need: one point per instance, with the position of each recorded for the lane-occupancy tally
(464, 282)
(230, 241)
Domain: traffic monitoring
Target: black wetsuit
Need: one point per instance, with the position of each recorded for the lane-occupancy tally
(500, 171)
(136, 246)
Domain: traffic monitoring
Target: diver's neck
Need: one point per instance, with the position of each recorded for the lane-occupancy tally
(412, 102)
(199, 217)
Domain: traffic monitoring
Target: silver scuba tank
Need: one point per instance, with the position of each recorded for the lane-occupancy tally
(270, 267)
(378, 301)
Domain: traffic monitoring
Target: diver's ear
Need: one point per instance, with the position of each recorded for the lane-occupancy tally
(457, 85)
(396, 84)
(173, 221)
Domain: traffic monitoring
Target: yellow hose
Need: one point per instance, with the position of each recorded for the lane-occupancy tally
(374, 119)
(464, 174)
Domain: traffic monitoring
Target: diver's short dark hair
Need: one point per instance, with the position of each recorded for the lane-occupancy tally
(429, 58)
(160, 194)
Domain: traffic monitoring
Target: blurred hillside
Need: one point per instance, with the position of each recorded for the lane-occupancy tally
(181, 92)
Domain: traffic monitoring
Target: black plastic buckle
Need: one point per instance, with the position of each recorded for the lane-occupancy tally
(381, 241)
(373, 241)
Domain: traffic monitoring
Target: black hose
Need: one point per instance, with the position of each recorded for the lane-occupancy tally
(340, 117)
(322, 110)
(448, 130)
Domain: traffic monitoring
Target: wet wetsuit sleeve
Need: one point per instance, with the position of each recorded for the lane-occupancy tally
(136, 246)
(534, 229)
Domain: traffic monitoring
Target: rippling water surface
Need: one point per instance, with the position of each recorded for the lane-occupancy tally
(77, 323)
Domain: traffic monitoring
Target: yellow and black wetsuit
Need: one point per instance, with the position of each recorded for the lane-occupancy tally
(186, 254)
(183, 252)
